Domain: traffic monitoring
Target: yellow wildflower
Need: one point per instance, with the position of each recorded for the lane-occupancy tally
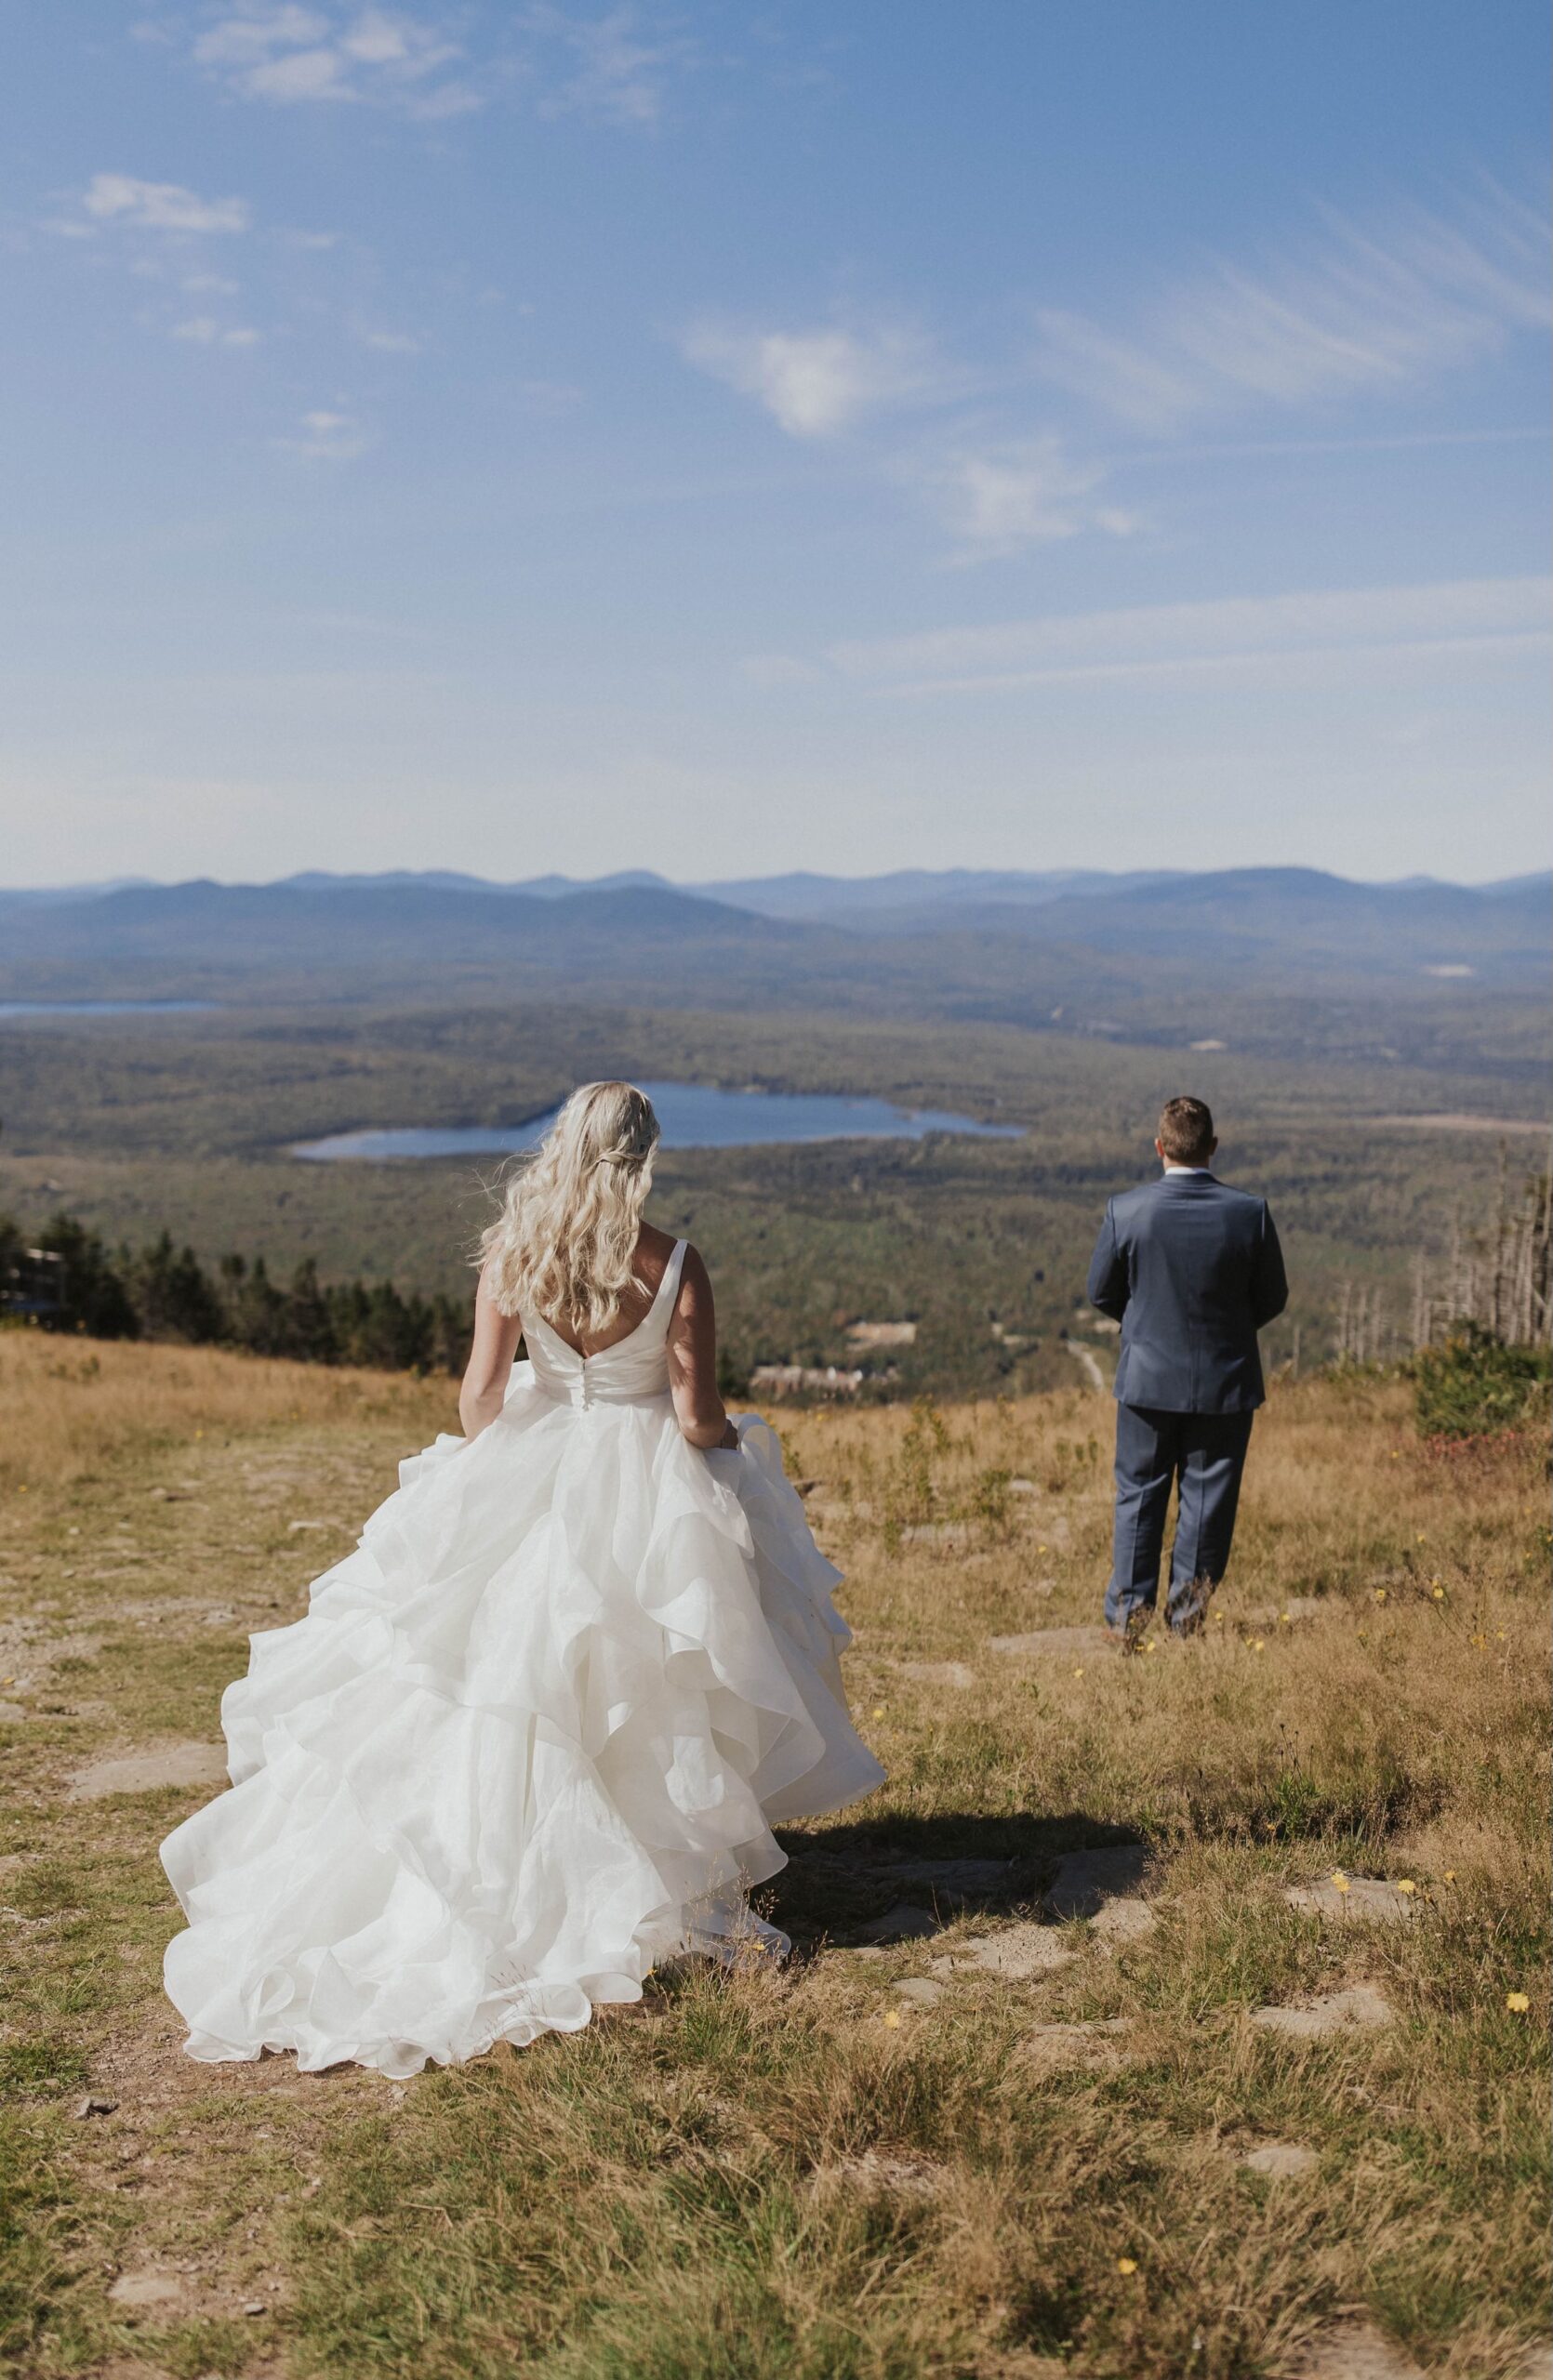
(1077, 1673)
(1406, 1884)
(1260, 1646)
(1450, 1875)
(1518, 2002)
(879, 1710)
(892, 2018)
(1149, 1647)
(1438, 1591)
(1126, 2264)
(1380, 1594)
(1340, 1880)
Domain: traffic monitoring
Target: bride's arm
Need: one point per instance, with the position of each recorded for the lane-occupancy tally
(490, 1362)
(699, 1409)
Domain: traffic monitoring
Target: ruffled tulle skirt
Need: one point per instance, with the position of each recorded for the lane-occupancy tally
(528, 1742)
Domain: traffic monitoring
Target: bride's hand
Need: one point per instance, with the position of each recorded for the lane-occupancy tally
(729, 1440)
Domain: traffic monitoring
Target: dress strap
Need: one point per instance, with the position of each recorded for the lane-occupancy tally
(671, 1273)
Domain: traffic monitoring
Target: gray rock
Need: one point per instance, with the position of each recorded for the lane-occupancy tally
(1359, 2009)
(919, 1991)
(12, 1714)
(1052, 1645)
(1366, 1899)
(146, 1772)
(146, 2289)
(878, 2169)
(1093, 2043)
(94, 2107)
(956, 1879)
(1124, 1919)
(1086, 1881)
(1280, 2159)
(1018, 1952)
(1353, 2351)
(903, 1923)
(959, 1674)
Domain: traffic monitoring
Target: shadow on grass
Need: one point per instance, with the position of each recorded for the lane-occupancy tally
(840, 1878)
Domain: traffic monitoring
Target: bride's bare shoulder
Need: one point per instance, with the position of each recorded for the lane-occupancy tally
(654, 1247)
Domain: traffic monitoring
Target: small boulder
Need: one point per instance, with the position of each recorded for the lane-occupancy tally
(1280, 2159)
(1085, 2045)
(1367, 1899)
(145, 2290)
(1086, 1881)
(959, 1674)
(919, 1990)
(1053, 1644)
(147, 1772)
(1018, 1952)
(1359, 2009)
(1353, 2351)
(904, 1922)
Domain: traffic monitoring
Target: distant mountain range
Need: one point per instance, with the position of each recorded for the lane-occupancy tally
(1261, 958)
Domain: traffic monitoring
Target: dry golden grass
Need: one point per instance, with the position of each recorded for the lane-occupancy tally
(805, 2175)
(72, 1405)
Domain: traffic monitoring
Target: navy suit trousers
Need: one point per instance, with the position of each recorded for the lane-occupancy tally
(1204, 1453)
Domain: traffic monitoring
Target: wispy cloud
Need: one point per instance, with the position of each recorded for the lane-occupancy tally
(291, 55)
(324, 436)
(1174, 637)
(204, 330)
(122, 200)
(999, 498)
(1359, 306)
(610, 69)
(816, 383)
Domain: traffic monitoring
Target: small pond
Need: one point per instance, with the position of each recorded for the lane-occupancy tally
(693, 1117)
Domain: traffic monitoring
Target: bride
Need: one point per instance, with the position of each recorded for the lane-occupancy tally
(531, 1736)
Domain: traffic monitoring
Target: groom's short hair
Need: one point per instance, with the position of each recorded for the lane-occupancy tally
(1186, 1130)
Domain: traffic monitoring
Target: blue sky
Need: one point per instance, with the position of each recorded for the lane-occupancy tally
(728, 439)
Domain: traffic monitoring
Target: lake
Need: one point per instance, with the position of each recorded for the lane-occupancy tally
(105, 1008)
(693, 1117)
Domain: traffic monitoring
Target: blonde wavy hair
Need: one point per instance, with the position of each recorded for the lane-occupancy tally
(564, 1244)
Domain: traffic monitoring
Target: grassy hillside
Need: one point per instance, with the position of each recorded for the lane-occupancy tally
(1007, 2137)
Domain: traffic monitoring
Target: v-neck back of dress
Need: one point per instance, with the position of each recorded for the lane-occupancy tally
(628, 1372)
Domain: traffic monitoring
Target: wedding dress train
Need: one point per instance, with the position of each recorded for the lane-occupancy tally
(528, 1742)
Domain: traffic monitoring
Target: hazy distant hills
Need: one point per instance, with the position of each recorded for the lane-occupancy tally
(1298, 917)
(1285, 960)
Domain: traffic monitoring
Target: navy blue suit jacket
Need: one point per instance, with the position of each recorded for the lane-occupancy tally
(1192, 1270)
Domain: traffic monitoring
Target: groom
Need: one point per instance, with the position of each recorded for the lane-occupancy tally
(1192, 1270)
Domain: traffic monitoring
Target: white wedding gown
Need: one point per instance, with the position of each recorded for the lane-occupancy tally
(528, 1742)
